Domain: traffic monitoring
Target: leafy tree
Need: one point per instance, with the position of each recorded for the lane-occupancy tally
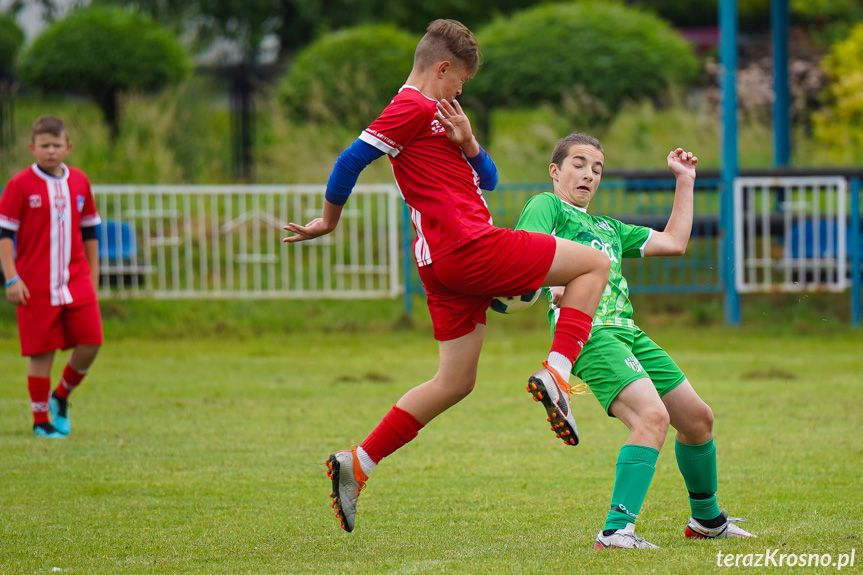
(11, 39)
(349, 75)
(601, 52)
(103, 52)
(839, 125)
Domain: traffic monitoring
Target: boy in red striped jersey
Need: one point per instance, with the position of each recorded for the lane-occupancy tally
(463, 260)
(50, 258)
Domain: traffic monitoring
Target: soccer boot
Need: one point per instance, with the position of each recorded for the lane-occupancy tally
(46, 430)
(59, 409)
(695, 530)
(344, 469)
(547, 387)
(622, 539)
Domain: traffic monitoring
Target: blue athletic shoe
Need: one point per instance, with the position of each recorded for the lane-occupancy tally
(59, 409)
(46, 430)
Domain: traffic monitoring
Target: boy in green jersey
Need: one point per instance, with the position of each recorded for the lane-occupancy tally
(634, 379)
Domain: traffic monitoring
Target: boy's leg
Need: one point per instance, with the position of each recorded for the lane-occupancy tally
(454, 380)
(82, 328)
(79, 364)
(584, 273)
(694, 449)
(639, 407)
(39, 388)
(696, 459)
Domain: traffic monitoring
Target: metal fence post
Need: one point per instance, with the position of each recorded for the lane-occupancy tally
(855, 253)
(728, 82)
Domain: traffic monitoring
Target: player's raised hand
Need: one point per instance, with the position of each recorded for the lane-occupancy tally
(17, 293)
(457, 125)
(682, 163)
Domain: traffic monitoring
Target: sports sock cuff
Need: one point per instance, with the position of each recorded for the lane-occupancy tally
(571, 332)
(397, 428)
(407, 418)
(638, 454)
(694, 452)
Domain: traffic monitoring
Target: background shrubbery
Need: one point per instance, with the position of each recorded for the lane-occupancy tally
(102, 52)
(347, 77)
(605, 51)
(839, 125)
(11, 39)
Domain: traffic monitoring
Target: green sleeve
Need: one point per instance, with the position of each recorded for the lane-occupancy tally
(632, 238)
(539, 214)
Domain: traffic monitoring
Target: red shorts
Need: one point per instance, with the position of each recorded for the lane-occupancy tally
(461, 285)
(43, 329)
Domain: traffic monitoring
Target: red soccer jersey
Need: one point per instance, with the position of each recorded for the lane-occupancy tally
(47, 215)
(433, 174)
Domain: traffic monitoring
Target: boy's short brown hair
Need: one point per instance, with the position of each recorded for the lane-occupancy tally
(49, 125)
(561, 150)
(447, 39)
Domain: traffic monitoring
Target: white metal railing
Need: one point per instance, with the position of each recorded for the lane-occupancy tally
(790, 234)
(226, 242)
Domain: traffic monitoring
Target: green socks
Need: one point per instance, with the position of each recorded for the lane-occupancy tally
(634, 472)
(697, 464)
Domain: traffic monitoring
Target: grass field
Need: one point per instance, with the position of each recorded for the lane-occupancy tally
(201, 450)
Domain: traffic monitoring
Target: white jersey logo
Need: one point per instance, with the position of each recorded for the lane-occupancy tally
(437, 127)
(35, 201)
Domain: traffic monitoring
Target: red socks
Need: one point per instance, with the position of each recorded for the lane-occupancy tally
(40, 389)
(397, 428)
(70, 380)
(571, 333)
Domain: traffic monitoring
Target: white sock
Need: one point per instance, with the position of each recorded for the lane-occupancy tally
(366, 463)
(561, 364)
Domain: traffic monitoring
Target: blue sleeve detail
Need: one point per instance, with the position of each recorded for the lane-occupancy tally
(485, 168)
(350, 163)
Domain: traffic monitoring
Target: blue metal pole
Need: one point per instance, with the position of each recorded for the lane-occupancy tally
(856, 250)
(781, 106)
(728, 90)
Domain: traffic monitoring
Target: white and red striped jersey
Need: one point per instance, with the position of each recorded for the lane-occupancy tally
(433, 175)
(47, 215)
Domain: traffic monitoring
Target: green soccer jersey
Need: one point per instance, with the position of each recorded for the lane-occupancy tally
(548, 214)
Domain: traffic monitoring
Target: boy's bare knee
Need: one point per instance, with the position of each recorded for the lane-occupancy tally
(656, 420)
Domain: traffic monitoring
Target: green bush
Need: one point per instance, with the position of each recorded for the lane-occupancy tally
(11, 39)
(347, 77)
(839, 125)
(600, 52)
(103, 52)
(828, 21)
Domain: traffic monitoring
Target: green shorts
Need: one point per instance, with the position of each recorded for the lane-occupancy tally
(615, 356)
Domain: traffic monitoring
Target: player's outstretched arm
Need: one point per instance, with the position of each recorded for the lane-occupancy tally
(340, 184)
(317, 227)
(673, 241)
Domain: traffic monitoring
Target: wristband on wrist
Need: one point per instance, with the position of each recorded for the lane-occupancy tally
(12, 281)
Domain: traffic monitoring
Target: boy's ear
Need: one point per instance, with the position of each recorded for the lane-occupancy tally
(442, 67)
(553, 171)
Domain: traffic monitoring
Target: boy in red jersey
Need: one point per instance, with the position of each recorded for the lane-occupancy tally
(50, 258)
(463, 260)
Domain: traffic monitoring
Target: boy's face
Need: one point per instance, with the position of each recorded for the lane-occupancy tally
(50, 150)
(577, 178)
(453, 76)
